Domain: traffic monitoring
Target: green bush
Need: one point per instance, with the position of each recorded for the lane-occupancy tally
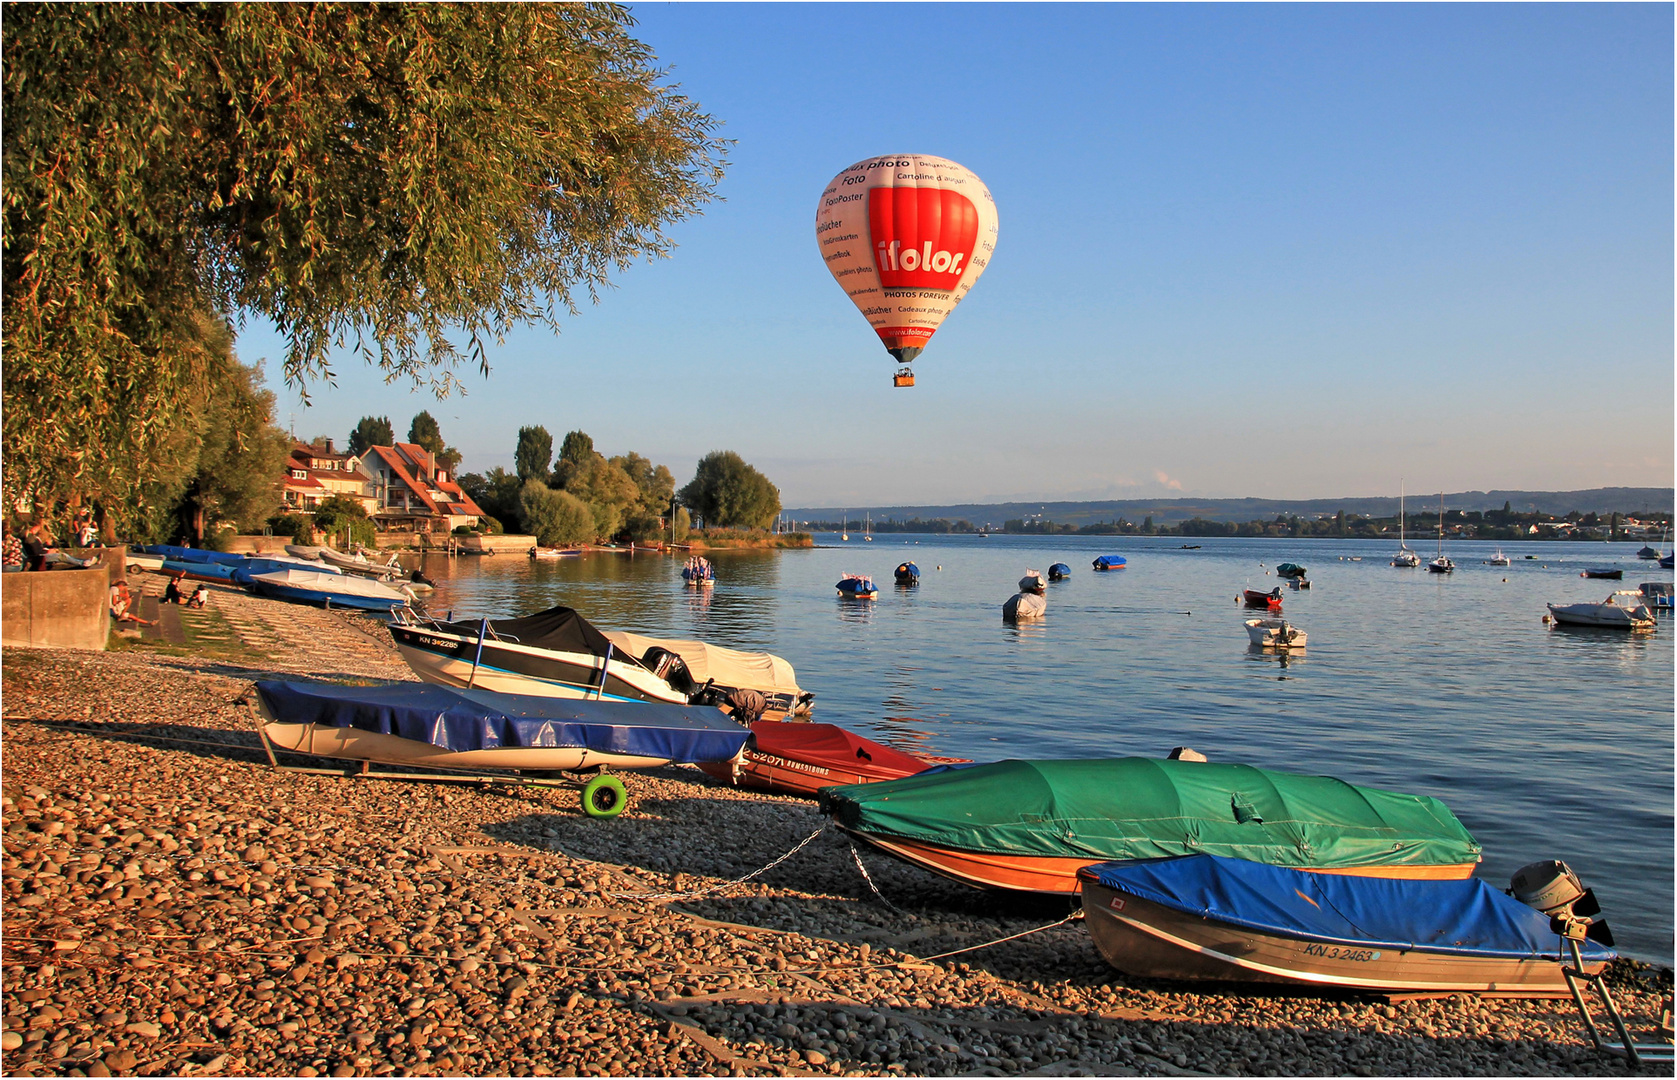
(300, 527)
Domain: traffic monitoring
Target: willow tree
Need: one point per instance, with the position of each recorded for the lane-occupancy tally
(403, 182)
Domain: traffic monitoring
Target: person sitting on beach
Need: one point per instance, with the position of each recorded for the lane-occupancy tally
(172, 591)
(122, 605)
(1029, 602)
(200, 596)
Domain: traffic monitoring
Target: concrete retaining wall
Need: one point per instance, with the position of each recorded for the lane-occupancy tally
(56, 609)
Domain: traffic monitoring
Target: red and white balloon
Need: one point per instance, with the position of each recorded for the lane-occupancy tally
(906, 235)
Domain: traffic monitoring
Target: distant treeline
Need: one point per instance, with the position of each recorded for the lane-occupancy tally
(1504, 524)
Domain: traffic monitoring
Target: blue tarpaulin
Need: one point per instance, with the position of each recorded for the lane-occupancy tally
(477, 720)
(197, 555)
(1109, 562)
(1464, 916)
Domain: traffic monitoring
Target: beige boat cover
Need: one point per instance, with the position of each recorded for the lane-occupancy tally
(729, 667)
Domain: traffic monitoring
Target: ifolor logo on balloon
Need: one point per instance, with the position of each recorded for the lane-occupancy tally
(923, 238)
(905, 236)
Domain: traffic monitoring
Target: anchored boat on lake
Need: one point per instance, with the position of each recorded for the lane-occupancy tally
(1031, 825)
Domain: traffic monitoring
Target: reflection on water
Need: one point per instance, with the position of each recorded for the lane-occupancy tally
(1542, 741)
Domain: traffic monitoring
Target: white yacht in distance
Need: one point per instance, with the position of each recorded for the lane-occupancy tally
(1404, 556)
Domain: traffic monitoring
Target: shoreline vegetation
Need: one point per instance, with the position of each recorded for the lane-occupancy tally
(177, 905)
(1505, 525)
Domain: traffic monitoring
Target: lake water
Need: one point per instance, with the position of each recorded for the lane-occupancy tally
(1546, 743)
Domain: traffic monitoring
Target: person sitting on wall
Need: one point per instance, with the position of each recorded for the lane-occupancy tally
(172, 591)
(11, 553)
(35, 548)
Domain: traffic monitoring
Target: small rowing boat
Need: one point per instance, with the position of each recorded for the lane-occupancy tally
(1209, 917)
(802, 758)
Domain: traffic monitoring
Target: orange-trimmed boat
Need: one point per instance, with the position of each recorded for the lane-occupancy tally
(797, 758)
(1029, 826)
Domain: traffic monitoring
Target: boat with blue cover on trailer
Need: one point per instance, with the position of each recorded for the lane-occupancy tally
(1208, 917)
(420, 725)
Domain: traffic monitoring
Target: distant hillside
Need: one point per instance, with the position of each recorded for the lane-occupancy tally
(1172, 511)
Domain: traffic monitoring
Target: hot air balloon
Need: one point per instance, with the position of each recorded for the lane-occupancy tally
(906, 235)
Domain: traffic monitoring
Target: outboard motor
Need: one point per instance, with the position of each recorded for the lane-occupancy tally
(1551, 887)
(671, 668)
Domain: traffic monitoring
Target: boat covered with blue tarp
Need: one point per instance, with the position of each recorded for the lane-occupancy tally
(1059, 572)
(419, 723)
(187, 554)
(1212, 917)
(1110, 562)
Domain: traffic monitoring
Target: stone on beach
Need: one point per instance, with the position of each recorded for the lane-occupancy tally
(178, 907)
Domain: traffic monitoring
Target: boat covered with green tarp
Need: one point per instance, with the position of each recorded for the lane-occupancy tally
(1030, 824)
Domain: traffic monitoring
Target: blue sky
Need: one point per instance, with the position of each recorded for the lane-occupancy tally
(1286, 251)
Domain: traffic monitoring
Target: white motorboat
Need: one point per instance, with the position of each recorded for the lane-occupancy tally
(1275, 634)
(310, 552)
(1499, 559)
(558, 653)
(330, 589)
(360, 564)
(1630, 613)
(1405, 556)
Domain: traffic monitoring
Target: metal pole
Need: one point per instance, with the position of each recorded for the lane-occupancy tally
(482, 629)
(601, 692)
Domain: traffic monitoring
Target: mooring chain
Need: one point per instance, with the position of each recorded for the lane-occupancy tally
(856, 857)
(805, 842)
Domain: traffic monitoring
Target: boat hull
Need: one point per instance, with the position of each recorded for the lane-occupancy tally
(353, 744)
(1598, 615)
(1274, 634)
(1256, 599)
(798, 758)
(448, 660)
(321, 598)
(1139, 937)
(1057, 876)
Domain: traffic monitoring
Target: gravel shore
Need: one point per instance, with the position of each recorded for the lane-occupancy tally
(173, 905)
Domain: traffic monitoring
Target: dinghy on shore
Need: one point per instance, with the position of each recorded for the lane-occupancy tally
(329, 589)
(1031, 825)
(802, 758)
(1207, 917)
(558, 653)
(415, 724)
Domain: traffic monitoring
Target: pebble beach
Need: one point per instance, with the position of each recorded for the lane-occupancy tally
(174, 904)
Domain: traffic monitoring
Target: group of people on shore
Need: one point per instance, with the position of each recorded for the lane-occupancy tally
(33, 550)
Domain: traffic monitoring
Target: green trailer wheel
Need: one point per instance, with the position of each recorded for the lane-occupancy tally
(604, 797)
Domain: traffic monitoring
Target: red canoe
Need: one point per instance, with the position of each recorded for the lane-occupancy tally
(798, 758)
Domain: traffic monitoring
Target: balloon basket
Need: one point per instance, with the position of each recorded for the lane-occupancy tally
(905, 377)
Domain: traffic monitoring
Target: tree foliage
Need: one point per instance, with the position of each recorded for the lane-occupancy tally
(534, 455)
(424, 431)
(241, 455)
(495, 492)
(371, 431)
(728, 492)
(554, 517)
(390, 177)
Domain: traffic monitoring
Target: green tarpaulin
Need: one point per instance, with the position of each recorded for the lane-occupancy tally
(1143, 808)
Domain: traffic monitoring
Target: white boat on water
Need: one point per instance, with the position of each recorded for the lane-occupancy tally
(1405, 556)
(1275, 634)
(1630, 613)
(1499, 559)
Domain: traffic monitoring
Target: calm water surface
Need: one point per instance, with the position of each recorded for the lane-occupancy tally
(1546, 743)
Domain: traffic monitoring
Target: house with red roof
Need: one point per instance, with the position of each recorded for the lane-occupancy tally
(316, 471)
(414, 494)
